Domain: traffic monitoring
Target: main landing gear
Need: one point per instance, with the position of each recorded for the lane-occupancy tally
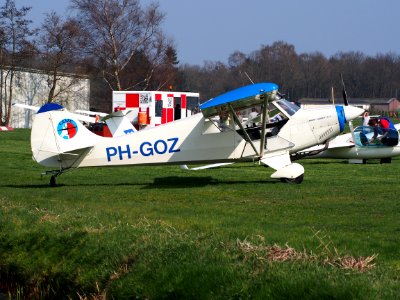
(53, 182)
(54, 174)
(297, 180)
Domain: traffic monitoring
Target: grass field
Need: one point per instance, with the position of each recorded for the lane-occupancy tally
(228, 233)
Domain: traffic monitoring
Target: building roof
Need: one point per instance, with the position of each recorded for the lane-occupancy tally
(40, 71)
(352, 101)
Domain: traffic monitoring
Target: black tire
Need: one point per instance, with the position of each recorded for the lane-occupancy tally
(296, 180)
(53, 182)
(386, 160)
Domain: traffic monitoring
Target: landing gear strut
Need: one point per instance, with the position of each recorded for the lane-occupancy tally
(54, 174)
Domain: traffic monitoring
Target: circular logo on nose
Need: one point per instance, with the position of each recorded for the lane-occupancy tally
(67, 129)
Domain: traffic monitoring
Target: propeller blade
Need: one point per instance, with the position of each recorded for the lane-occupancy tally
(346, 102)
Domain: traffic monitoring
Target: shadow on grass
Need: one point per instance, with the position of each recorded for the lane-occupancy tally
(191, 182)
(60, 185)
(340, 162)
(161, 182)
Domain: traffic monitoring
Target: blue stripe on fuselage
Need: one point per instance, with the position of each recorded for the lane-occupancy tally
(341, 117)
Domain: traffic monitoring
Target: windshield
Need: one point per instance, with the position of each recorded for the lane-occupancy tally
(288, 107)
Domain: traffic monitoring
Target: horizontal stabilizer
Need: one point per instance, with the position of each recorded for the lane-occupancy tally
(91, 113)
(51, 107)
(26, 106)
(62, 160)
(119, 124)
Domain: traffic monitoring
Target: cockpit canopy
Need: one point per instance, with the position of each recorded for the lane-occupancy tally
(285, 107)
(278, 113)
(370, 136)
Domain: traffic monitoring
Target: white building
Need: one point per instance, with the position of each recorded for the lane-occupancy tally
(31, 87)
(153, 108)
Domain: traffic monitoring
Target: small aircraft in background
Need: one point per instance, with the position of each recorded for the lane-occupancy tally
(59, 140)
(360, 144)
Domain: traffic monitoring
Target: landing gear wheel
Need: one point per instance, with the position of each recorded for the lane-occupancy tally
(386, 160)
(53, 182)
(296, 180)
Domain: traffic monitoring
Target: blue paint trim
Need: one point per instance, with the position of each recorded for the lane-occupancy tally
(49, 107)
(341, 117)
(240, 93)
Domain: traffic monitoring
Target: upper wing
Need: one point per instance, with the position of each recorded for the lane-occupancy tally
(247, 96)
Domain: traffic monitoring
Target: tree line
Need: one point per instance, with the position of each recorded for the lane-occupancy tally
(308, 75)
(121, 45)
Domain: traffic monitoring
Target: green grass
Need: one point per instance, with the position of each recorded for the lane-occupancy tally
(162, 232)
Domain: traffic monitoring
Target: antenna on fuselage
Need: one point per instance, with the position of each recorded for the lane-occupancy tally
(245, 73)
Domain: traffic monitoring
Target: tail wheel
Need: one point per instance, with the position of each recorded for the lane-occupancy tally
(386, 160)
(53, 182)
(296, 180)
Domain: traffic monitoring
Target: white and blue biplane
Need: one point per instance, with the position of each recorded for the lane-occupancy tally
(60, 141)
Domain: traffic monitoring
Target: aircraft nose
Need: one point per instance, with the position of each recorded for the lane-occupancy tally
(352, 112)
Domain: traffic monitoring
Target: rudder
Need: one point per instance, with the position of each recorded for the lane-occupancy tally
(58, 138)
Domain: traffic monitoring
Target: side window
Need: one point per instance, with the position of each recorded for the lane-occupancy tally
(158, 108)
(192, 103)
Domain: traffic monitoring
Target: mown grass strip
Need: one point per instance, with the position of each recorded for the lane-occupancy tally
(161, 232)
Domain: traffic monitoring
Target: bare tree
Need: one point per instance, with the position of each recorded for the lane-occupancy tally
(15, 30)
(298, 76)
(60, 41)
(167, 72)
(350, 65)
(120, 32)
(240, 67)
(315, 75)
(2, 66)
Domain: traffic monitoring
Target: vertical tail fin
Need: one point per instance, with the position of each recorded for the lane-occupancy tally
(58, 138)
(119, 124)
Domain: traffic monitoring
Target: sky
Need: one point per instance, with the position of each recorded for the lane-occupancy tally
(211, 30)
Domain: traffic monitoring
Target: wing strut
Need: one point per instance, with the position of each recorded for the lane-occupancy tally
(264, 124)
(247, 138)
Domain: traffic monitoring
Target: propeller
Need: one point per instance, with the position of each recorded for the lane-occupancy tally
(346, 103)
